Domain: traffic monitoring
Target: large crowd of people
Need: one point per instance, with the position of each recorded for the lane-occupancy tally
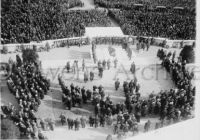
(170, 106)
(28, 86)
(155, 24)
(153, 3)
(43, 20)
(25, 21)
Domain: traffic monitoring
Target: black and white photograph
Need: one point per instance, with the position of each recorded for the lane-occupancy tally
(99, 70)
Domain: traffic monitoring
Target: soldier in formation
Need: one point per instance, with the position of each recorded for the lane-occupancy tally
(117, 83)
(28, 85)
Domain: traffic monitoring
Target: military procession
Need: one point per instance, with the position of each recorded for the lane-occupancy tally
(29, 87)
(83, 100)
(171, 106)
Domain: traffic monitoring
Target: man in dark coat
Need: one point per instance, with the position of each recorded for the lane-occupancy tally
(69, 102)
(69, 123)
(84, 95)
(85, 76)
(138, 112)
(91, 75)
(89, 94)
(147, 126)
(117, 83)
(68, 66)
(76, 124)
(62, 119)
(91, 121)
(132, 69)
(96, 122)
(101, 71)
(102, 120)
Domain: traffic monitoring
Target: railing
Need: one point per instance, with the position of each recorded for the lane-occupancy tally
(80, 41)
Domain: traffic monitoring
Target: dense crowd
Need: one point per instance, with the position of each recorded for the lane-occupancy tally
(155, 24)
(28, 86)
(23, 22)
(152, 3)
(170, 106)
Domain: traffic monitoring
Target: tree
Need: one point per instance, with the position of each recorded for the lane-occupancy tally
(9, 130)
(188, 54)
(29, 55)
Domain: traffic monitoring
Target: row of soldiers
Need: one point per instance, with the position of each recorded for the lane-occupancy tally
(171, 105)
(143, 44)
(90, 75)
(107, 64)
(73, 123)
(28, 85)
(183, 97)
(74, 95)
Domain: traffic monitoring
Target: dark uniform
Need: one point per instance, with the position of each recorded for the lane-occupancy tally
(85, 76)
(117, 83)
(91, 121)
(62, 119)
(133, 68)
(100, 71)
(76, 124)
(91, 75)
(68, 66)
(69, 102)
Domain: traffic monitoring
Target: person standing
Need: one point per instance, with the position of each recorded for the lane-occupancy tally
(68, 66)
(132, 68)
(83, 65)
(117, 83)
(83, 122)
(115, 63)
(147, 126)
(148, 43)
(85, 76)
(108, 64)
(69, 102)
(100, 71)
(62, 119)
(76, 124)
(74, 67)
(91, 75)
(96, 121)
(104, 64)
